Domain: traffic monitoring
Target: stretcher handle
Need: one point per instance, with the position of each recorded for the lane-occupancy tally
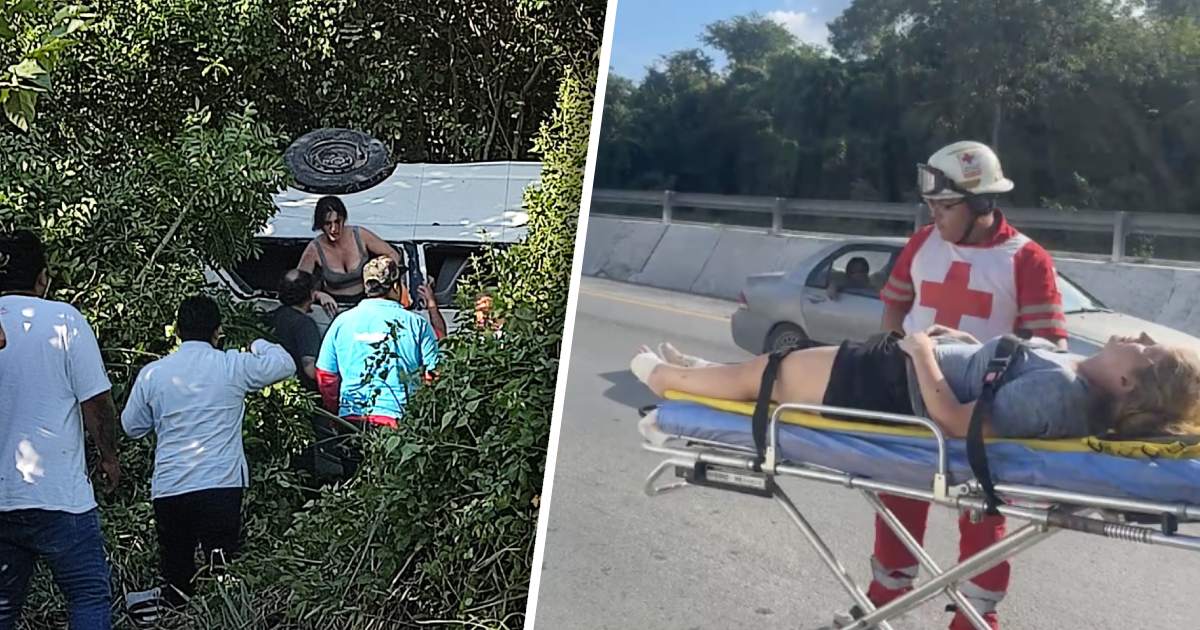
(773, 433)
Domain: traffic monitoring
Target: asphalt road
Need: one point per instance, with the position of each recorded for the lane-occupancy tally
(701, 559)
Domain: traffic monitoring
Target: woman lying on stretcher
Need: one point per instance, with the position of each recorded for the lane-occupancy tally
(1132, 387)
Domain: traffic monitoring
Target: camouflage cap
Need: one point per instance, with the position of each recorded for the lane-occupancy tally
(380, 274)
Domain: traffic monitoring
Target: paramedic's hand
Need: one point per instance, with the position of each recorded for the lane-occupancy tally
(112, 473)
(938, 330)
(3, 339)
(327, 302)
(917, 344)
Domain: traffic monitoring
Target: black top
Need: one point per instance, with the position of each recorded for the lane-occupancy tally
(298, 335)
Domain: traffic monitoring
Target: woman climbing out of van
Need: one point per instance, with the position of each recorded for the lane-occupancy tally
(340, 251)
(332, 248)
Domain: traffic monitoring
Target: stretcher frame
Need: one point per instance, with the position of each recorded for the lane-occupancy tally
(702, 463)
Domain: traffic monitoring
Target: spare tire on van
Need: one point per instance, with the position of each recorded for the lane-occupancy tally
(337, 161)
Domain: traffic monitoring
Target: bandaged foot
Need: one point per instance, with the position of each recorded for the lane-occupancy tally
(672, 355)
(643, 365)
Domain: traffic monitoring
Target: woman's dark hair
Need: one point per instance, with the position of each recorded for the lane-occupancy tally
(295, 288)
(199, 318)
(325, 205)
(22, 258)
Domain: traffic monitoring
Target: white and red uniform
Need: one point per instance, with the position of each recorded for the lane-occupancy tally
(988, 289)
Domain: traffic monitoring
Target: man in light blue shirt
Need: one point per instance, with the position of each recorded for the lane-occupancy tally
(194, 400)
(377, 353)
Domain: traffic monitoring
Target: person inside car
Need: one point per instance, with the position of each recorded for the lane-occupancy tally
(857, 276)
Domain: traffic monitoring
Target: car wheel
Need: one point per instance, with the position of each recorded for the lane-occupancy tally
(784, 336)
(337, 161)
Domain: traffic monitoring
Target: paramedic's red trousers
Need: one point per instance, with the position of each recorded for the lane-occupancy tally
(894, 568)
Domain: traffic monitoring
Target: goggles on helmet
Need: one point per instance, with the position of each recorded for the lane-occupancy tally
(931, 181)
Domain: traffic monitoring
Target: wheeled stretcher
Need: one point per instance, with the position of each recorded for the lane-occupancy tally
(1137, 491)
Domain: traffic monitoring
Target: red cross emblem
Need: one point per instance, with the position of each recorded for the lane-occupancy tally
(952, 298)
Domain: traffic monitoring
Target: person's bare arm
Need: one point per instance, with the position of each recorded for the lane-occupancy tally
(100, 420)
(308, 262)
(893, 318)
(308, 258)
(309, 365)
(431, 306)
(944, 408)
(379, 247)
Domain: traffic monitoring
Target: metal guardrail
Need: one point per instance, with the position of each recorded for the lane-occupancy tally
(1119, 224)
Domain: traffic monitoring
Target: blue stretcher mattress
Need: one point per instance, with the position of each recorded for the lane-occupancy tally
(912, 461)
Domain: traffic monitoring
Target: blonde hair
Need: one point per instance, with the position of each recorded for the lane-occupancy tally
(1165, 398)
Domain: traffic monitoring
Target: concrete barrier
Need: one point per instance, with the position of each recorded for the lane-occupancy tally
(679, 257)
(714, 261)
(619, 249)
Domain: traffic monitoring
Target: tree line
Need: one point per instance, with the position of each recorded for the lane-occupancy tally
(1090, 103)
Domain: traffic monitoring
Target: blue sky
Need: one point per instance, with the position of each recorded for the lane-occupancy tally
(648, 29)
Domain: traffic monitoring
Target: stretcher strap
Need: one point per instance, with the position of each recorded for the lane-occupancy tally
(761, 419)
(993, 378)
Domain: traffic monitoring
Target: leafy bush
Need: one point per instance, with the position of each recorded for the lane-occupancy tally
(154, 153)
(439, 523)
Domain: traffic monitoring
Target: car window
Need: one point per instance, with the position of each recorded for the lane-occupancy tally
(855, 270)
(1075, 299)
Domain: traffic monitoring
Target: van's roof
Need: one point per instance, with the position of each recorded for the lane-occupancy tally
(478, 201)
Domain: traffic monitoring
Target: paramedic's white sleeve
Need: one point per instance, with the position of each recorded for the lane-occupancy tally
(137, 419)
(266, 363)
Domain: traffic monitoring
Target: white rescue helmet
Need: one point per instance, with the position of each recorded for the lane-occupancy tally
(962, 169)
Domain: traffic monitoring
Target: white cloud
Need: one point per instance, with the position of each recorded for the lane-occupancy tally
(802, 25)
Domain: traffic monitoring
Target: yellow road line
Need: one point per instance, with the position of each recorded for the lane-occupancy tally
(670, 309)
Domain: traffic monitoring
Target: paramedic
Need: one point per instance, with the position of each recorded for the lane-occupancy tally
(193, 400)
(972, 271)
(375, 354)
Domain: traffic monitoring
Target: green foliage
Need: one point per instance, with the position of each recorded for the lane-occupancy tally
(436, 81)
(32, 39)
(439, 524)
(155, 154)
(1089, 102)
(128, 239)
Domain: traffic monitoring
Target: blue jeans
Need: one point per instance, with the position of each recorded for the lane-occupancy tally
(73, 548)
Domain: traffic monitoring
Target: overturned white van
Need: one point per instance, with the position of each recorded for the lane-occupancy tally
(436, 215)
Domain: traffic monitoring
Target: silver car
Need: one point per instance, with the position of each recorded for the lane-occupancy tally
(818, 300)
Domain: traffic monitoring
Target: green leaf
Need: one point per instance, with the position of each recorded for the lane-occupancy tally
(27, 69)
(408, 451)
(6, 31)
(15, 114)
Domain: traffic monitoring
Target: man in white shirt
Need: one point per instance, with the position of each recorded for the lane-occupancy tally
(52, 386)
(194, 400)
